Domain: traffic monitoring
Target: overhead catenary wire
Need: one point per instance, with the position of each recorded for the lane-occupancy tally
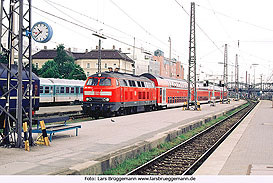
(202, 30)
(236, 19)
(116, 29)
(85, 27)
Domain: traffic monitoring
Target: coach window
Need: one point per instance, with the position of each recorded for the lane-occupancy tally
(105, 82)
(81, 90)
(47, 89)
(72, 89)
(41, 89)
(142, 84)
(77, 89)
(67, 90)
(92, 82)
(57, 89)
(62, 89)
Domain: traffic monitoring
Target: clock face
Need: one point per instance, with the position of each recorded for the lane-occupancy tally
(41, 32)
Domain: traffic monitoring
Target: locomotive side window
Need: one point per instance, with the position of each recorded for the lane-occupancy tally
(105, 82)
(132, 83)
(138, 84)
(92, 82)
(36, 89)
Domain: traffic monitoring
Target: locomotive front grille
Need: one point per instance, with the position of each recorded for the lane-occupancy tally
(97, 99)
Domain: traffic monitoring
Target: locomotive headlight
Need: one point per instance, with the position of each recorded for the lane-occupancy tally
(89, 99)
(106, 99)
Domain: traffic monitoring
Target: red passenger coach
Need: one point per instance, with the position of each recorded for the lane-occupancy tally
(170, 92)
(113, 92)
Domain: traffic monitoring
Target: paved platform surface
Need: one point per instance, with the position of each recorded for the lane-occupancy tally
(54, 109)
(98, 138)
(248, 150)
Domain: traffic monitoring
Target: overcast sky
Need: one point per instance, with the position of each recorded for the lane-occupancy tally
(152, 22)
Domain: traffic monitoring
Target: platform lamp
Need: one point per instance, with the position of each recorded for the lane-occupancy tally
(254, 65)
(100, 36)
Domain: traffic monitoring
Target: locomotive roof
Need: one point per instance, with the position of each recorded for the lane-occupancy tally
(120, 75)
(154, 76)
(14, 69)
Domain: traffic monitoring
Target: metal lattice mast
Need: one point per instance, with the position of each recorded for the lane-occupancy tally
(225, 76)
(236, 75)
(192, 94)
(18, 43)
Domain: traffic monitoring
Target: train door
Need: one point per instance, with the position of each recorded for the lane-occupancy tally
(163, 96)
(77, 93)
(53, 93)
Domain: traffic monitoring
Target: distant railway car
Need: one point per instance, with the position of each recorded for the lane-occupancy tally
(113, 92)
(61, 90)
(173, 92)
(13, 93)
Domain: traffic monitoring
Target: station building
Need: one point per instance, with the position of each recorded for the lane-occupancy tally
(169, 68)
(89, 60)
(137, 61)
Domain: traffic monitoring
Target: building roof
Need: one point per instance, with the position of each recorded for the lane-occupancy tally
(105, 54)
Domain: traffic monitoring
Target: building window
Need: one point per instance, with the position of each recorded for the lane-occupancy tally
(88, 74)
(37, 65)
(105, 65)
(88, 65)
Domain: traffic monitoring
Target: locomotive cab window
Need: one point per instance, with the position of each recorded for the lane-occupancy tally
(92, 82)
(123, 82)
(105, 82)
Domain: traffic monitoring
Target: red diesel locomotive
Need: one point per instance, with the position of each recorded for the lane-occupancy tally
(113, 92)
(120, 93)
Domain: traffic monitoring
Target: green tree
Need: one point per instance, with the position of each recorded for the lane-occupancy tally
(63, 66)
(66, 65)
(77, 73)
(35, 70)
(49, 70)
(3, 58)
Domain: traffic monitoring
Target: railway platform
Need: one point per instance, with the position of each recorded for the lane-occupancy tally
(249, 148)
(102, 143)
(51, 110)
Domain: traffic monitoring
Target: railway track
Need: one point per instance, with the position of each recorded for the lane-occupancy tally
(185, 158)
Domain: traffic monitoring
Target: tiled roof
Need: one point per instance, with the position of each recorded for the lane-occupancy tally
(105, 54)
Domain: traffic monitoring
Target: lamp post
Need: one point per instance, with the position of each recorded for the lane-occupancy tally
(100, 36)
(254, 66)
